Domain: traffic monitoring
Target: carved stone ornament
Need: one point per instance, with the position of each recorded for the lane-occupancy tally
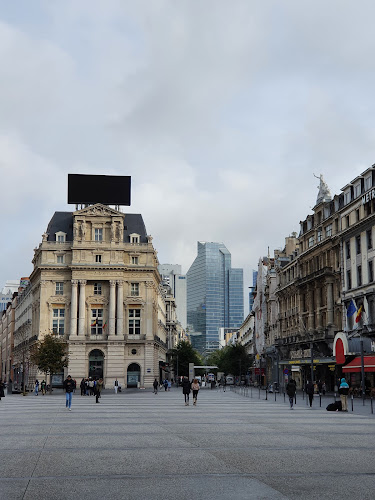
(99, 209)
(97, 300)
(57, 299)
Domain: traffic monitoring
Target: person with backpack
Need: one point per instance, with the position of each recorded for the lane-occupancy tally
(43, 386)
(69, 386)
(344, 391)
(291, 391)
(155, 384)
(310, 391)
(195, 389)
(186, 388)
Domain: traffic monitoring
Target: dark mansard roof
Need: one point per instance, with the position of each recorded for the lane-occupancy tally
(63, 221)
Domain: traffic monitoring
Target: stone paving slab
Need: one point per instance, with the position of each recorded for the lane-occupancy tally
(135, 445)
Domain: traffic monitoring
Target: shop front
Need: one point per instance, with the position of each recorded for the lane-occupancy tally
(300, 371)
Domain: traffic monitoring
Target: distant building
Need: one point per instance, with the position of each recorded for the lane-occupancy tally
(252, 290)
(171, 275)
(214, 296)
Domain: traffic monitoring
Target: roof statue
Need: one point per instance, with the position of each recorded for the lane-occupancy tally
(324, 192)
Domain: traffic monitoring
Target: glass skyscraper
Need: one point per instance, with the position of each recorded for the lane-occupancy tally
(214, 296)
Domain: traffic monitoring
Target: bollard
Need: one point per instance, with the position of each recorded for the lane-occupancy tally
(303, 394)
(259, 392)
(275, 395)
(295, 398)
(320, 400)
(251, 391)
(352, 402)
(284, 397)
(372, 409)
(266, 394)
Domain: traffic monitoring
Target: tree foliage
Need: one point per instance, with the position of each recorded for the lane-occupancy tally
(50, 355)
(231, 359)
(183, 354)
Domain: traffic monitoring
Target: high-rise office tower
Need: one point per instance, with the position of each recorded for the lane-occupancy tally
(214, 296)
(171, 275)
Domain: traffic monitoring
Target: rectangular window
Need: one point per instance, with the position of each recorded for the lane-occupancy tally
(59, 290)
(98, 258)
(358, 244)
(319, 235)
(347, 197)
(96, 322)
(134, 289)
(135, 239)
(134, 321)
(347, 246)
(97, 288)
(369, 239)
(357, 214)
(135, 260)
(60, 259)
(311, 241)
(348, 280)
(357, 190)
(98, 234)
(329, 230)
(370, 271)
(368, 182)
(359, 275)
(58, 321)
(347, 221)
(60, 238)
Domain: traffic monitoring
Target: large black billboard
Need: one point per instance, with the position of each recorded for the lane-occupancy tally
(106, 189)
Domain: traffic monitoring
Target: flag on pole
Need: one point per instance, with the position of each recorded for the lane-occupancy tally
(105, 326)
(351, 309)
(94, 323)
(359, 314)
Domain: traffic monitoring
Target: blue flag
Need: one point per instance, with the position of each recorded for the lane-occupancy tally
(351, 309)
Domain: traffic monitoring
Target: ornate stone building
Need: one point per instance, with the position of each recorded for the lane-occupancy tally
(95, 282)
(309, 292)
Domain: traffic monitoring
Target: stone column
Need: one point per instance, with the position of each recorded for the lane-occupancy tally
(318, 292)
(112, 308)
(310, 308)
(120, 308)
(82, 307)
(330, 319)
(73, 308)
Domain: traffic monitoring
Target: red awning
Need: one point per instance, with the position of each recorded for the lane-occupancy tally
(355, 365)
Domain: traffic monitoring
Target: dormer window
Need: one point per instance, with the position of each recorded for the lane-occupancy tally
(347, 197)
(60, 237)
(357, 190)
(368, 182)
(134, 238)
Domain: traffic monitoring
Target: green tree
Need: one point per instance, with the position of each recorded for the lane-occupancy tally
(231, 359)
(50, 355)
(181, 356)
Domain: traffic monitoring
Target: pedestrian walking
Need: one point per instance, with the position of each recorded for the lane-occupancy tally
(36, 390)
(87, 386)
(165, 385)
(69, 387)
(186, 388)
(115, 385)
(169, 385)
(98, 390)
(344, 391)
(2, 394)
(91, 386)
(291, 391)
(82, 385)
(155, 384)
(43, 386)
(310, 391)
(195, 389)
(320, 386)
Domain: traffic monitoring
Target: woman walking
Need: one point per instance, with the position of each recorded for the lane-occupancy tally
(195, 389)
(186, 388)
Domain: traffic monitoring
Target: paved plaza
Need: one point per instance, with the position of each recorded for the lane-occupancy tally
(136, 445)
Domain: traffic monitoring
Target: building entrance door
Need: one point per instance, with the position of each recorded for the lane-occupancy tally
(96, 364)
(133, 375)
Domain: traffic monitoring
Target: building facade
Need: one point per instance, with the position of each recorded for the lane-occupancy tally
(96, 283)
(214, 296)
(171, 276)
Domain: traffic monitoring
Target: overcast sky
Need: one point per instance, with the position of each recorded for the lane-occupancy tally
(221, 112)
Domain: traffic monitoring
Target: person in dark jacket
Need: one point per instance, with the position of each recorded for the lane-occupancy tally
(344, 391)
(83, 387)
(69, 386)
(186, 388)
(291, 391)
(310, 391)
(156, 385)
(1, 389)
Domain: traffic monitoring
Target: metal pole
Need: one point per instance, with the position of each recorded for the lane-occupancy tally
(363, 374)
(372, 409)
(312, 362)
(352, 403)
(320, 400)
